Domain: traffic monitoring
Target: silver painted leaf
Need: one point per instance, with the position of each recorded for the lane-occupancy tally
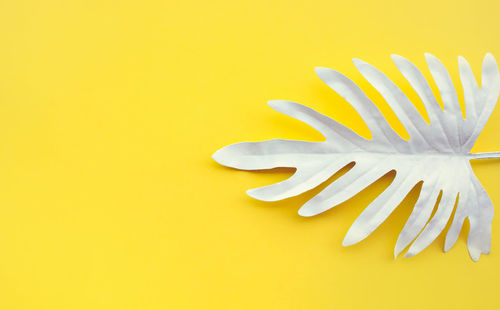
(437, 154)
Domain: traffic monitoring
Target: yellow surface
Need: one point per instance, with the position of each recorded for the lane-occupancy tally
(110, 111)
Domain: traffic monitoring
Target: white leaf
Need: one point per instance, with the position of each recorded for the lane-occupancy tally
(437, 154)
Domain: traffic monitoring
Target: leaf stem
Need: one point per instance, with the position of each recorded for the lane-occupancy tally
(486, 155)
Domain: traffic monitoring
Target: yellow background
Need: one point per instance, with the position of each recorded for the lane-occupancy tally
(110, 111)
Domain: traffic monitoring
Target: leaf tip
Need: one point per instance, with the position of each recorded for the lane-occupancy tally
(347, 242)
(256, 193)
(475, 253)
(321, 71)
(489, 57)
(475, 258)
(358, 62)
(278, 104)
(409, 254)
(352, 237)
(305, 212)
(217, 156)
(397, 58)
(430, 58)
(447, 245)
(397, 249)
(274, 103)
(428, 55)
(223, 157)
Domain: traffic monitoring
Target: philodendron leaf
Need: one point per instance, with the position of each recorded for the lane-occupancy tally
(437, 154)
